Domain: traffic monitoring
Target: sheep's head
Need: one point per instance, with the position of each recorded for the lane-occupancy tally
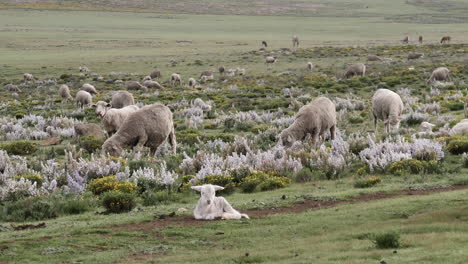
(286, 139)
(112, 148)
(207, 192)
(394, 123)
(101, 108)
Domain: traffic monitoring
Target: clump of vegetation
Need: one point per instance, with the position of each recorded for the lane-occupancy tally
(406, 166)
(367, 183)
(91, 143)
(34, 178)
(458, 145)
(387, 240)
(225, 181)
(20, 148)
(110, 183)
(118, 202)
(264, 181)
(304, 175)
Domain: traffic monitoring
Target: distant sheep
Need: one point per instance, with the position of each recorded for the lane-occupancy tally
(83, 69)
(210, 207)
(152, 84)
(295, 41)
(83, 98)
(413, 56)
(461, 128)
(440, 74)
(175, 79)
(64, 93)
(315, 118)
(221, 70)
(192, 82)
(356, 69)
(156, 74)
(420, 39)
(147, 78)
(445, 39)
(388, 107)
(12, 88)
(113, 118)
(89, 88)
(28, 77)
(406, 40)
(425, 130)
(373, 58)
(240, 71)
(310, 66)
(121, 99)
(264, 43)
(84, 130)
(134, 85)
(202, 105)
(270, 60)
(150, 126)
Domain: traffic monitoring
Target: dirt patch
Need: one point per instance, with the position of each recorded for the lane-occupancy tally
(24, 227)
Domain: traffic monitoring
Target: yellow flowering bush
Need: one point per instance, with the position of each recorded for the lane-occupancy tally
(264, 181)
(118, 202)
(367, 183)
(110, 183)
(222, 180)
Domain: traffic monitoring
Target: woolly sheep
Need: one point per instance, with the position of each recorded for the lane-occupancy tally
(84, 130)
(295, 41)
(373, 58)
(156, 74)
(149, 126)
(147, 78)
(206, 73)
(134, 85)
(210, 207)
(270, 60)
(175, 78)
(310, 66)
(440, 74)
(152, 84)
(12, 88)
(64, 92)
(356, 69)
(387, 106)
(240, 71)
(413, 56)
(121, 99)
(202, 105)
(28, 77)
(445, 39)
(425, 130)
(461, 128)
(113, 118)
(83, 98)
(315, 118)
(89, 88)
(83, 69)
(191, 82)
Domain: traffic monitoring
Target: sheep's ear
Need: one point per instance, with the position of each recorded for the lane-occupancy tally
(197, 188)
(94, 105)
(218, 188)
(109, 105)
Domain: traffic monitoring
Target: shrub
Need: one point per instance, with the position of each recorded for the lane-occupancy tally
(387, 240)
(304, 175)
(367, 183)
(465, 160)
(222, 180)
(110, 183)
(458, 146)
(406, 166)
(135, 165)
(91, 143)
(355, 119)
(154, 198)
(20, 148)
(118, 202)
(274, 183)
(34, 178)
(29, 209)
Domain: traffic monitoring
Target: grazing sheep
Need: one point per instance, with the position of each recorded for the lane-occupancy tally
(121, 99)
(221, 70)
(28, 77)
(295, 41)
(413, 56)
(425, 130)
(208, 74)
(205, 78)
(264, 44)
(461, 128)
(357, 69)
(373, 58)
(420, 39)
(192, 82)
(387, 106)
(113, 118)
(83, 98)
(156, 74)
(310, 66)
(445, 39)
(84, 130)
(149, 126)
(315, 118)
(269, 60)
(64, 92)
(406, 40)
(83, 69)
(152, 84)
(89, 88)
(202, 105)
(440, 74)
(12, 88)
(210, 207)
(134, 85)
(175, 78)
(147, 78)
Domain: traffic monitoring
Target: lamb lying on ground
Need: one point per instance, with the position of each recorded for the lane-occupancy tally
(210, 207)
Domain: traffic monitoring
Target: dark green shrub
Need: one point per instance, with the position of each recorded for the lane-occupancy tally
(454, 106)
(155, 198)
(458, 146)
(188, 136)
(91, 143)
(367, 183)
(356, 119)
(406, 166)
(135, 165)
(273, 183)
(20, 148)
(29, 209)
(387, 240)
(118, 202)
(34, 178)
(304, 175)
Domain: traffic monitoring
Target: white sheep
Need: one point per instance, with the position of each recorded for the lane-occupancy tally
(270, 60)
(89, 88)
(310, 66)
(83, 98)
(83, 69)
(152, 84)
(461, 128)
(64, 92)
(134, 85)
(356, 69)
(202, 105)
(28, 77)
(147, 78)
(113, 118)
(175, 78)
(295, 41)
(192, 82)
(387, 106)
(210, 207)
(121, 99)
(440, 74)
(425, 130)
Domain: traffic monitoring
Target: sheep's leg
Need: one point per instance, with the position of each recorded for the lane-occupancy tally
(375, 121)
(315, 137)
(141, 142)
(332, 132)
(173, 141)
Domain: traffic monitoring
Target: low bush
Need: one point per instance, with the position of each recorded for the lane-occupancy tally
(118, 202)
(91, 143)
(273, 183)
(20, 148)
(367, 183)
(458, 146)
(34, 178)
(387, 240)
(304, 175)
(406, 166)
(264, 181)
(154, 198)
(110, 183)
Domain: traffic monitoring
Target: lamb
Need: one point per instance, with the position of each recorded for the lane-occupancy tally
(210, 207)
(175, 78)
(315, 118)
(83, 98)
(202, 105)
(64, 92)
(295, 41)
(425, 130)
(388, 107)
(440, 74)
(310, 66)
(461, 128)
(221, 70)
(269, 60)
(406, 40)
(121, 99)
(113, 118)
(89, 88)
(357, 69)
(373, 58)
(413, 56)
(445, 39)
(152, 84)
(149, 126)
(156, 74)
(28, 77)
(84, 130)
(134, 85)
(83, 69)
(192, 82)
(240, 71)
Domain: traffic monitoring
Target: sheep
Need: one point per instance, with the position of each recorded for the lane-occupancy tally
(406, 40)
(373, 58)
(264, 43)
(440, 74)
(445, 39)
(147, 78)
(12, 88)
(83, 69)
(113, 118)
(356, 69)
(121, 99)
(156, 74)
(413, 56)
(202, 105)
(84, 130)
(205, 78)
(295, 41)
(425, 130)
(149, 126)
(208, 74)
(89, 88)
(240, 71)
(461, 128)
(134, 85)
(221, 70)
(210, 207)
(64, 92)
(231, 72)
(420, 39)
(28, 77)
(192, 82)
(310, 66)
(315, 118)
(387, 106)
(152, 84)
(83, 98)
(175, 78)
(269, 60)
